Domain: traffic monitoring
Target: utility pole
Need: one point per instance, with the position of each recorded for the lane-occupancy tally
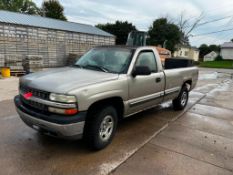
(43, 9)
(164, 44)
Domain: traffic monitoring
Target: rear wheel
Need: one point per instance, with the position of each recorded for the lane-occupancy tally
(101, 128)
(181, 101)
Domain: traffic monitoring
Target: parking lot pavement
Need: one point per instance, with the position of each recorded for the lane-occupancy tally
(213, 76)
(7, 109)
(152, 159)
(8, 88)
(24, 151)
(222, 96)
(199, 142)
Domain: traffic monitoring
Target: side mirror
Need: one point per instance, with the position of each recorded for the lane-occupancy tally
(141, 70)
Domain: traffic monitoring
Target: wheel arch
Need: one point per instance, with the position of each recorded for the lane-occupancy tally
(188, 84)
(116, 102)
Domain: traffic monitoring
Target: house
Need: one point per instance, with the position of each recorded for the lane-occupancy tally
(227, 51)
(187, 52)
(210, 56)
(54, 40)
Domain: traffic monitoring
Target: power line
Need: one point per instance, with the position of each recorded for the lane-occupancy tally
(211, 21)
(215, 20)
(212, 11)
(212, 32)
(223, 35)
(207, 22)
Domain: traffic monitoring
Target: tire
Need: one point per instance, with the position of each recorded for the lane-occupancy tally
(101, 128)
(181, 101)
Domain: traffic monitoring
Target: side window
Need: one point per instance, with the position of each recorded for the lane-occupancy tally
(147, 58)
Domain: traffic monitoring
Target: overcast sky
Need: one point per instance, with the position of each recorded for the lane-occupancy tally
(142, 13)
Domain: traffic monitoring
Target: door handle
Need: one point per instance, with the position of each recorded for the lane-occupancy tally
(157, 80)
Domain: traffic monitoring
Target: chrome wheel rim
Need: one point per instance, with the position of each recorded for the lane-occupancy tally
(184, 98)
(106, 128)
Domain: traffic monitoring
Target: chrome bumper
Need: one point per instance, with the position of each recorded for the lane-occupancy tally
(68, 131)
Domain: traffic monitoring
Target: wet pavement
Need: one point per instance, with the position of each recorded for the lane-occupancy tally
(198, 140)
(152, 159)
(8, 88)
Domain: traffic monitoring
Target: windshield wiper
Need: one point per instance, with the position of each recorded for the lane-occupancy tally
(96, 67)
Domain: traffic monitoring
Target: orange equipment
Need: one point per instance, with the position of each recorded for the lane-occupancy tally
(163, 53)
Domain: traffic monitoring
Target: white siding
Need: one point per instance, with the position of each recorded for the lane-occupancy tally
(182, 52)
(187, 53)
(194, 54)
(211, 56)
(227, 53)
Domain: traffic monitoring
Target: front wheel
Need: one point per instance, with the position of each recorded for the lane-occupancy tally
(181, 101)
(101, 128)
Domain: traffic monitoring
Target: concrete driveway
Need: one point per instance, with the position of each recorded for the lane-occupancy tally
(198, 140)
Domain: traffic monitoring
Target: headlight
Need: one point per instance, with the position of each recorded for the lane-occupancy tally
(62, 98)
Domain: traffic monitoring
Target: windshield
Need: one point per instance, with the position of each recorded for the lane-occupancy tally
(112, 60)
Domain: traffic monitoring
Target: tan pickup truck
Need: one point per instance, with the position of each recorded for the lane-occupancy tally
(106, 84)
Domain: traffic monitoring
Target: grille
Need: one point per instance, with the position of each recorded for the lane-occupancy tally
(36, 93)
(34, 105)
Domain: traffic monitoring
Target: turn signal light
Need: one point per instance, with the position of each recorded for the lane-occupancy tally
(71, 111)
(63, 111)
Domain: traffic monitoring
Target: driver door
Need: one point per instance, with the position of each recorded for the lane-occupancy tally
(145, 91)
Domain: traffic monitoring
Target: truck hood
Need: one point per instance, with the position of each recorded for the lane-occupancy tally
(63, 80)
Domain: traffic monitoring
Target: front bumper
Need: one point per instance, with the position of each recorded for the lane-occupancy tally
(69, 127)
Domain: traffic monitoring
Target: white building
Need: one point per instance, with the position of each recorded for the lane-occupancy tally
(210, 56)
(227, 51)
(187, 52)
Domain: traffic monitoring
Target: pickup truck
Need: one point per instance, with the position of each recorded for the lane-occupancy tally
(107, 84)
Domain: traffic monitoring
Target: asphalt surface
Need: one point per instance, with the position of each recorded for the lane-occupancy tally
(198, 140)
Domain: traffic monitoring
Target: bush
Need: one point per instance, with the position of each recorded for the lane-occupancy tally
(196, 63)
(219, 58)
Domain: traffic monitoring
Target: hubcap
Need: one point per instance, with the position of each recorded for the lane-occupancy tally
(106, 128)
(184, 98)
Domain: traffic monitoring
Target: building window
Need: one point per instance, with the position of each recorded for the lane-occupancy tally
(186, 53)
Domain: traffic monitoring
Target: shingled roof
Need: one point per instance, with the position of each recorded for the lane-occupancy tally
(38, 21)
(227, 45)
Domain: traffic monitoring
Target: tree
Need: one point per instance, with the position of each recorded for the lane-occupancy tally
(219, 58)
(53, 9)
(215, 48)
(21, 6)
(205, 49)
(187, 25)
(162, 32)
(119, 29)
